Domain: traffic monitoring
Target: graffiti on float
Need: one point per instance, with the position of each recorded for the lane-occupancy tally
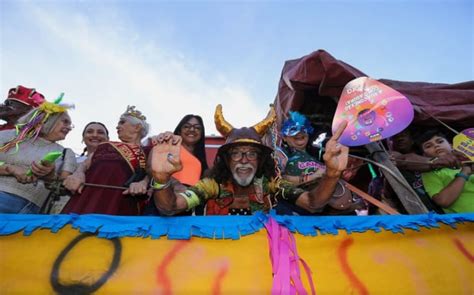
(70, 262)
(359, 263)
(83, 287)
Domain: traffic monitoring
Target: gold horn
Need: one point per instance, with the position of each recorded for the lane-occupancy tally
(221, 124)
(262, 127)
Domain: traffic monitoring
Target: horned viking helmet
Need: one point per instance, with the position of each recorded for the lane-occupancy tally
(245, 135)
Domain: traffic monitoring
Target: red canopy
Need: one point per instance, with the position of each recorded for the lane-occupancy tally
(320, 75)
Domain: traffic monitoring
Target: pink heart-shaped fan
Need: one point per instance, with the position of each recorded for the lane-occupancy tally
(373, 110)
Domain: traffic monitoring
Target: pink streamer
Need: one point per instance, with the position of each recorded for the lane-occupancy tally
(285, 261)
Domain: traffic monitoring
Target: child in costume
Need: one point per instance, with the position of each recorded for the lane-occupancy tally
(302, 169)
(300, 166)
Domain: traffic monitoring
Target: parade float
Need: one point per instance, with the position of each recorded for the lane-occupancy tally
(417, 253)
(260, 254)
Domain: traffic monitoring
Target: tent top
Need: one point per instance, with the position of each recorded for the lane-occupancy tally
(319, 76)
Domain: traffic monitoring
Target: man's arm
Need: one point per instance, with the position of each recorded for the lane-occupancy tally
(164, 161)
(415, 162)
(335, 158)
(169, 200)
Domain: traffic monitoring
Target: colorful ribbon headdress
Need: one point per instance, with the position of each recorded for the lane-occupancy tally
(35, 122)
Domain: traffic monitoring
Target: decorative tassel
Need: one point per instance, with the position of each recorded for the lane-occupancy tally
(285, 261)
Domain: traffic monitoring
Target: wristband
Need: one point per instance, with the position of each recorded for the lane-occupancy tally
(462, 175)
(159, 186)
(192, 200)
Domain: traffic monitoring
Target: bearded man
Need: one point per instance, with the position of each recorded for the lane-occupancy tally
(242, 180)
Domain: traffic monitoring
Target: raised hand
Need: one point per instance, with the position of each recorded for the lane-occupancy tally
(165, 157)
(336, 155)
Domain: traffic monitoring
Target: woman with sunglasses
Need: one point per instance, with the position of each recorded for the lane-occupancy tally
(192, 154)
(191, 130)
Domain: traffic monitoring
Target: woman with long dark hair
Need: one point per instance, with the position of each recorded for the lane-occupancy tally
(192, 154)
(191, 129)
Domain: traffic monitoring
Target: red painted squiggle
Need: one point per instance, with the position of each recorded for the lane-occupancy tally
(346, 268)
(463, 249)
(216, 288)
(162, 277)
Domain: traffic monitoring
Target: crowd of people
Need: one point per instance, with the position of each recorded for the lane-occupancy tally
(167, 174)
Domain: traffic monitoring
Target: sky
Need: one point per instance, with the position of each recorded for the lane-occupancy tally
(172, 58)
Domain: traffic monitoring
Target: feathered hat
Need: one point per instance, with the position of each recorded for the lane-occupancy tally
(27, 96)
(295, 124)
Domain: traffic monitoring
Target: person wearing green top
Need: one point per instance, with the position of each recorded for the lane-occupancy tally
(451, 189)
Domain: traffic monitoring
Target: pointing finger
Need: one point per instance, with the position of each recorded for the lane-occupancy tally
(339, 130)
